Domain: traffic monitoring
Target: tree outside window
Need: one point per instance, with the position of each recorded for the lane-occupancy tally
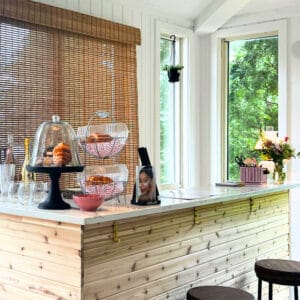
(252, 95)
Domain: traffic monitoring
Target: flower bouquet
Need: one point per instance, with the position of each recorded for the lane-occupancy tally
(279, 151)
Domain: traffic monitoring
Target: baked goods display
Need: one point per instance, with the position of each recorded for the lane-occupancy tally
(55, 152)
(103, 140)
(62, 154)
(98, 179)
(104, 150)
(99, 138)
(47, 160)
(54, 145)
(109, 190)
(108, 181)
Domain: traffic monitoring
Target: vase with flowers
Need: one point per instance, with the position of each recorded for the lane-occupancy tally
(279, 151)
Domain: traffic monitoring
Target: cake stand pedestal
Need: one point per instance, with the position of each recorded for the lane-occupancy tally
(54, 199)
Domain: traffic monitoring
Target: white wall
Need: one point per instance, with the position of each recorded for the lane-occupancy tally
(203, 158)
(294, 126)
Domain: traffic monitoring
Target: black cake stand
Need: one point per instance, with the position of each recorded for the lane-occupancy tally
(54, 199)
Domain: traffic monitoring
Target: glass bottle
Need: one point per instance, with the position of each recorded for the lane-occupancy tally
(9, 158)
(26, 175)
(9, 167)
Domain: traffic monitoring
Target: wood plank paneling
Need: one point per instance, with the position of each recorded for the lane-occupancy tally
(40, 259)
(41, 251)
(158, 257)
(162, 256)
(58, 235)
(36, 289)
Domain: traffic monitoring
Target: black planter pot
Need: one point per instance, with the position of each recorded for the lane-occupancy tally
(174, 75)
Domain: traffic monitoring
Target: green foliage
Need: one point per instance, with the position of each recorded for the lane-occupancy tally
(165, 51)
(167, 118)
(253, 95)
(169, 67)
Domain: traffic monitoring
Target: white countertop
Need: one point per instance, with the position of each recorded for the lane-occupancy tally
(170, 200)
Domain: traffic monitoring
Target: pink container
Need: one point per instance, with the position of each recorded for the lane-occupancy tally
(108, 190)
(105, 149)
(88, 202)
(253, 175)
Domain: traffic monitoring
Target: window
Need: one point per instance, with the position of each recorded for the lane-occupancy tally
(170, 116)
(251, 91)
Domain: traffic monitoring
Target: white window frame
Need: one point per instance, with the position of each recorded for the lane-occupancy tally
(217, 132)
(187, 36)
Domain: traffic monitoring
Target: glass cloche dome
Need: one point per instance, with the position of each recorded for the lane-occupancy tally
(55, 145)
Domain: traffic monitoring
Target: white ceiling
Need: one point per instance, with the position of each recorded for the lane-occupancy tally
(255, 6)
(204, 13)
(188, 9)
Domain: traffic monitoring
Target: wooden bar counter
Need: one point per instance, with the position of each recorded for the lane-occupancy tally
(133, 252)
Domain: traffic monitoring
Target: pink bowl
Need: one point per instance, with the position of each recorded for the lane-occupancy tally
(88, 202)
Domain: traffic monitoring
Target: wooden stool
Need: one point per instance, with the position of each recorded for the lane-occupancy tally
(278, 271)
(217, 293)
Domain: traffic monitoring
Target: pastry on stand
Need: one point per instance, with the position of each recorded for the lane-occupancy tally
(55, 152)
(102, 141)
(105, 180)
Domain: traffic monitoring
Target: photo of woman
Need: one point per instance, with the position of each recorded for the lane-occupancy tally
(146, 184)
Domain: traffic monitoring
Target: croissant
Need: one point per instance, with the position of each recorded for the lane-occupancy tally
(98, 179)
(62, 154)
(99, 138)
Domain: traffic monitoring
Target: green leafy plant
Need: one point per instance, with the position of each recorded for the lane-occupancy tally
(173, 72)
(169, 67)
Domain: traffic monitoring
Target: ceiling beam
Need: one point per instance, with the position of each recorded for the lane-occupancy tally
(217, 14)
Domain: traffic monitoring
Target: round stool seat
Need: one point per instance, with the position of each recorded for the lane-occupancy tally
(278, 271)
(217, 293)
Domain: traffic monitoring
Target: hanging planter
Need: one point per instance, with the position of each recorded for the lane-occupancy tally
(173, 72)
(173, 69)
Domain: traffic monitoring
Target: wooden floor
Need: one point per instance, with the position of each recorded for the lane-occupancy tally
(156, 257)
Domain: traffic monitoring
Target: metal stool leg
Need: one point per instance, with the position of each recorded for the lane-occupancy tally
(259, 289)
(270, 291)
(296, 292)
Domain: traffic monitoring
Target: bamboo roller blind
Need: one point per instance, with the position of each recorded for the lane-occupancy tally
(55, 61)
